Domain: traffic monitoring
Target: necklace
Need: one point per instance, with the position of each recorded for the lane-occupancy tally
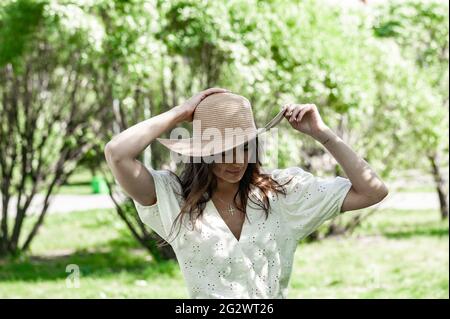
(230, 209)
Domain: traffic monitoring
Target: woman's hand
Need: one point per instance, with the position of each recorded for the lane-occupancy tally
(305, 118)
(187, 108)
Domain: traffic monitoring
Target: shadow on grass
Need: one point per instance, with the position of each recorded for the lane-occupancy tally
(431, 229)
(100, 262)
(80, 183)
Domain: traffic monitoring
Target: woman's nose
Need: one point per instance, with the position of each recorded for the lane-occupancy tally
(238, 156)
(235, 157)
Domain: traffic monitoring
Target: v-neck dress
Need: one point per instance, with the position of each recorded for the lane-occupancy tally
(215, 264)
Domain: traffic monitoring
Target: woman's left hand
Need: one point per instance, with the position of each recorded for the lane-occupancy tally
(305, 118)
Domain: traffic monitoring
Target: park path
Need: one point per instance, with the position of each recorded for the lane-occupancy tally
(69, 203)
(66, 203)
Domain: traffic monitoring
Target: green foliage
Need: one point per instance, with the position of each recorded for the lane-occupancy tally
(414, 78)
(272, 52)
(419, 27)
(15, 34)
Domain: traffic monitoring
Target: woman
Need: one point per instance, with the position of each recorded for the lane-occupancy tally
(241, 226)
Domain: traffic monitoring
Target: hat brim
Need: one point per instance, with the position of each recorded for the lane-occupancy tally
(200, 148)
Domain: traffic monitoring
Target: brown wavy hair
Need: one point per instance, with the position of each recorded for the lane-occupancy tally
(198, 183)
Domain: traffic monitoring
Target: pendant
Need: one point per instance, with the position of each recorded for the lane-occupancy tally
(230, 209)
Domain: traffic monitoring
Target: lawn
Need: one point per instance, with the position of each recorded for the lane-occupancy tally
(395, 254)
(79, 183)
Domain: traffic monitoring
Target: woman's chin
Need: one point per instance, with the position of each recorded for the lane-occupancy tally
(232, 178)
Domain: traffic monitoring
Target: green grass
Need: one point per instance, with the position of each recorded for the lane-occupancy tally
(75, 189)
(79, 183)
(395, 254)
(111, 263)
(417, 189)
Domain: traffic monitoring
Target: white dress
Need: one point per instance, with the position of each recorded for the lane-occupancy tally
(215, 264)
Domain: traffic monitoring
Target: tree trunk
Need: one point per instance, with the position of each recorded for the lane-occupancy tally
(440, 184)
(173, 84)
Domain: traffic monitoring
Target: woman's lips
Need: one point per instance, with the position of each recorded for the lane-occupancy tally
(234, 171)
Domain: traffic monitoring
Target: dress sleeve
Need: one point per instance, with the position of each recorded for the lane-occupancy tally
(160, 216)
(309, 200)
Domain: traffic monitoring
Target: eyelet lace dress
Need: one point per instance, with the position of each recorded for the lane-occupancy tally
(215, 264)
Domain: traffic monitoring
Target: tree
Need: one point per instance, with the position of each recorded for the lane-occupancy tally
(421, 31)
(51, 112)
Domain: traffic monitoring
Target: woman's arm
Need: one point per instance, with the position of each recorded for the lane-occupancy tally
(131, 142)
(367, 188)
(121, 152)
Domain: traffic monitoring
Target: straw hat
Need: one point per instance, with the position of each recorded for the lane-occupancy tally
(221, 122)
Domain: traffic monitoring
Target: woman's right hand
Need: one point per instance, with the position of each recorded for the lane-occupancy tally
(187, 108)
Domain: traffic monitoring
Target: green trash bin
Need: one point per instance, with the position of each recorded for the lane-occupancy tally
(99, 185)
